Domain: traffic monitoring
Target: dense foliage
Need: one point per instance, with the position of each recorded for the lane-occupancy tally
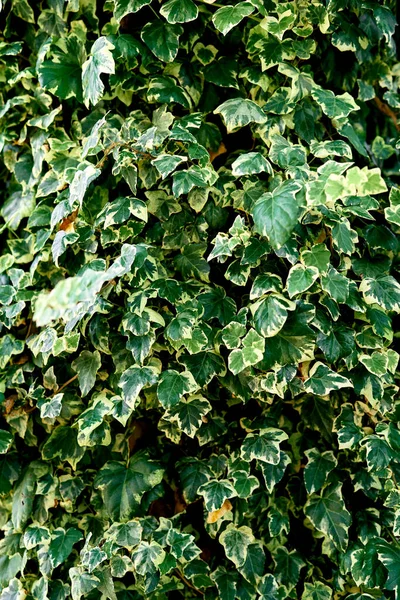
(199, 299)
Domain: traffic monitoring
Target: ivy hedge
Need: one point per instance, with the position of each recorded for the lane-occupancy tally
(199, 300)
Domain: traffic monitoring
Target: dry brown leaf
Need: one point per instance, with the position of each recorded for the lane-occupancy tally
(221, 150)
(215, 515)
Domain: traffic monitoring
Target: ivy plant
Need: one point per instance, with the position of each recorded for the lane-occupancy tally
(199, 300)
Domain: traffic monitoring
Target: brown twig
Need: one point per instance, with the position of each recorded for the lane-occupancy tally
(386, 110)
(64, 385)
(186, 582)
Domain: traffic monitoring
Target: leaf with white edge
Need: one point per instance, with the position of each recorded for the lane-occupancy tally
(251, 163)
(275, 214)
(216, 492)
(322, 380)
(100, 62)
(86, 366)
(133, 380)
(147, 558)
(235, 541)
(162, 39)
(125, 7)
(271, 314)
(239, 112)
(123, 485)
(335, 284)
(318, 467)
(263, 446)
(316, 591)
(166, 163)
(6, 440)
(328, 513)
(189, 413)
(376, 363)
(389, 555)
(81, 582)
(333, 106)
(384, 291)
(300, 279)
(179, 11)
(229, 16)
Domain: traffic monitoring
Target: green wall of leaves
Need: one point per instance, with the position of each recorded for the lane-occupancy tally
(199, 300)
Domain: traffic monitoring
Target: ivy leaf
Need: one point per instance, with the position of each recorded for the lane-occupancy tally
(239, 112)
(384, 291)
(322, 380)
(318, 467)
(189, 413)
(147, 557)
(316, 591)
(166, 163)
(264, 446)
(133, 380)
(235, 541)
(179, 11)
(122, 486)
(390, 557)
(124, 7)
(250, 164)
(61, 544)
(6, 440)
(275, 214)
(216, 492)
(334, 106)
(172, 386)
(86, 365)
(329, 515)
(162, 39)
(100, 61)
(300, 279)
(229, 16)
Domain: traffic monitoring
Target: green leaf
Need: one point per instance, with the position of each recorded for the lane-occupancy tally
(239, 112)
(122, 486)
(316, 591)
(172, 386)
(216, 492)
(271, 314)
(300, 279)
(133, 380)
(162, 39)
(189, 413)
(6, 440)
(263, 446)
(63, 444)
(100, 61)
(86, 365)
(61, 544)
(275, 214)
(179, 11)
(322, 380)
(166, 163)
(235, 541)
(191, 262)
(318, 467)
(250, 164)
(229, 16)
(384, 291)
(329, 515)
(147, 558)
(389, 554)
(124, 7)
(334, 106)
(287, 566)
